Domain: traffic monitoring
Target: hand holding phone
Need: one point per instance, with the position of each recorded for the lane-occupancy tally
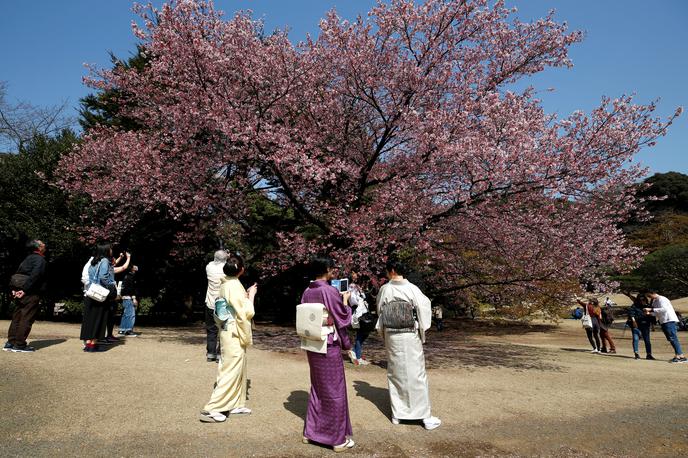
(251, 293)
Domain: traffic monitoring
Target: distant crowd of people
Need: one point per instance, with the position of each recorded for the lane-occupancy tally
(648, 309)
(28, 284)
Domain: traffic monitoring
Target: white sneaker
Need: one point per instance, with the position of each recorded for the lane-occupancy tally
(212, 417)
(352, 356)
(395, 421)
(240, 410)
(595, 351)
(432, 423)
(362, 362)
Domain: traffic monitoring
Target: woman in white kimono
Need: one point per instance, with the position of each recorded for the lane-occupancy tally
(406, 377)
(229, 394)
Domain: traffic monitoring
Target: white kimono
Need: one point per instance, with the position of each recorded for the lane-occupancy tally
(406, 377)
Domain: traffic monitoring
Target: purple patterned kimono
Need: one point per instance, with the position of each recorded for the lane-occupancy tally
(327, 419)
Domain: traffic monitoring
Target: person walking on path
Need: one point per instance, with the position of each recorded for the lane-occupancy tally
(327, 418)
(229, 395)
(640, 324)
(403, 302)
(662, 308)
(31, 271)
(437, 315)
(129, 303)
(215, 273)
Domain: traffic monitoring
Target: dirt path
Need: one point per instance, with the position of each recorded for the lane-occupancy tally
(500, 390)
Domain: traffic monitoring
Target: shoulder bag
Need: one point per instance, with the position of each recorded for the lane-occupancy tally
(96, 291)
(586, 321)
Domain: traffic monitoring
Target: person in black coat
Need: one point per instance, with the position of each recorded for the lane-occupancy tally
(27, 296)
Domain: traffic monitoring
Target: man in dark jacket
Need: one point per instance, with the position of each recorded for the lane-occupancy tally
(27, 298)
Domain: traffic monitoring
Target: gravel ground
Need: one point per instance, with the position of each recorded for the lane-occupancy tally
(500, 389)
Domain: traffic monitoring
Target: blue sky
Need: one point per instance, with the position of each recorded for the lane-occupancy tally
(631, 46)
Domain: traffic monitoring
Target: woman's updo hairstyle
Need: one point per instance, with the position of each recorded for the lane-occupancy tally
(233, 265)
(319, 266)
(394, 264)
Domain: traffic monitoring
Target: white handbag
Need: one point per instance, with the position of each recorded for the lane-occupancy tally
(586, 320)
(97, 292)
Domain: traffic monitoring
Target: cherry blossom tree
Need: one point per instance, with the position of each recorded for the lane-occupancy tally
(396, 132)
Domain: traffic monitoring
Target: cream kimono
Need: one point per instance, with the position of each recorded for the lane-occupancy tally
(406, 377)
(230, 389)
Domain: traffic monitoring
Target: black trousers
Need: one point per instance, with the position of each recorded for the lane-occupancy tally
(594, 333)
(112, 311)
(212, 342)
(22, 320)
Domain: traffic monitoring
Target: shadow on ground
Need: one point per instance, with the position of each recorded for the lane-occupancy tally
(379, 397)
(40, 344)
(455, 346)
(446, 349)
(297, 403)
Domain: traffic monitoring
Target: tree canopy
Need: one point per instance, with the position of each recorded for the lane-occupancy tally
(395, 133)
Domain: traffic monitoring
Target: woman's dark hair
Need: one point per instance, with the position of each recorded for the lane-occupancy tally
(394, 264)
(103, 250)
(233, 265)
(319, 266)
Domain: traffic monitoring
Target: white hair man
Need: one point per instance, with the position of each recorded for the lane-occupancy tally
(215, 275)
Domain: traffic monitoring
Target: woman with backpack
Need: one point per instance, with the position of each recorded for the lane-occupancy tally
(405, 314)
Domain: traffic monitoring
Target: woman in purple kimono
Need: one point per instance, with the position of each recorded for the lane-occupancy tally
(327, 419)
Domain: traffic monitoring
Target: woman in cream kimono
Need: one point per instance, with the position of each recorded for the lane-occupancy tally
(406, 377)
(229, 394)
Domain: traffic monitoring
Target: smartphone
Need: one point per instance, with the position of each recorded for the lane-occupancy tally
(341, 284)
(344, 285)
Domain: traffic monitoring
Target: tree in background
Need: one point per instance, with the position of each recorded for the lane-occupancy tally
(664, 237)
(392, 133)
(21, 122)
(32, 208)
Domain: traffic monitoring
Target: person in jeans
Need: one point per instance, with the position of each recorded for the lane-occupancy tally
(27, 298)
(661, 307)
(214, 272)
(359, 306)
(640, 325)
(129, 303)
